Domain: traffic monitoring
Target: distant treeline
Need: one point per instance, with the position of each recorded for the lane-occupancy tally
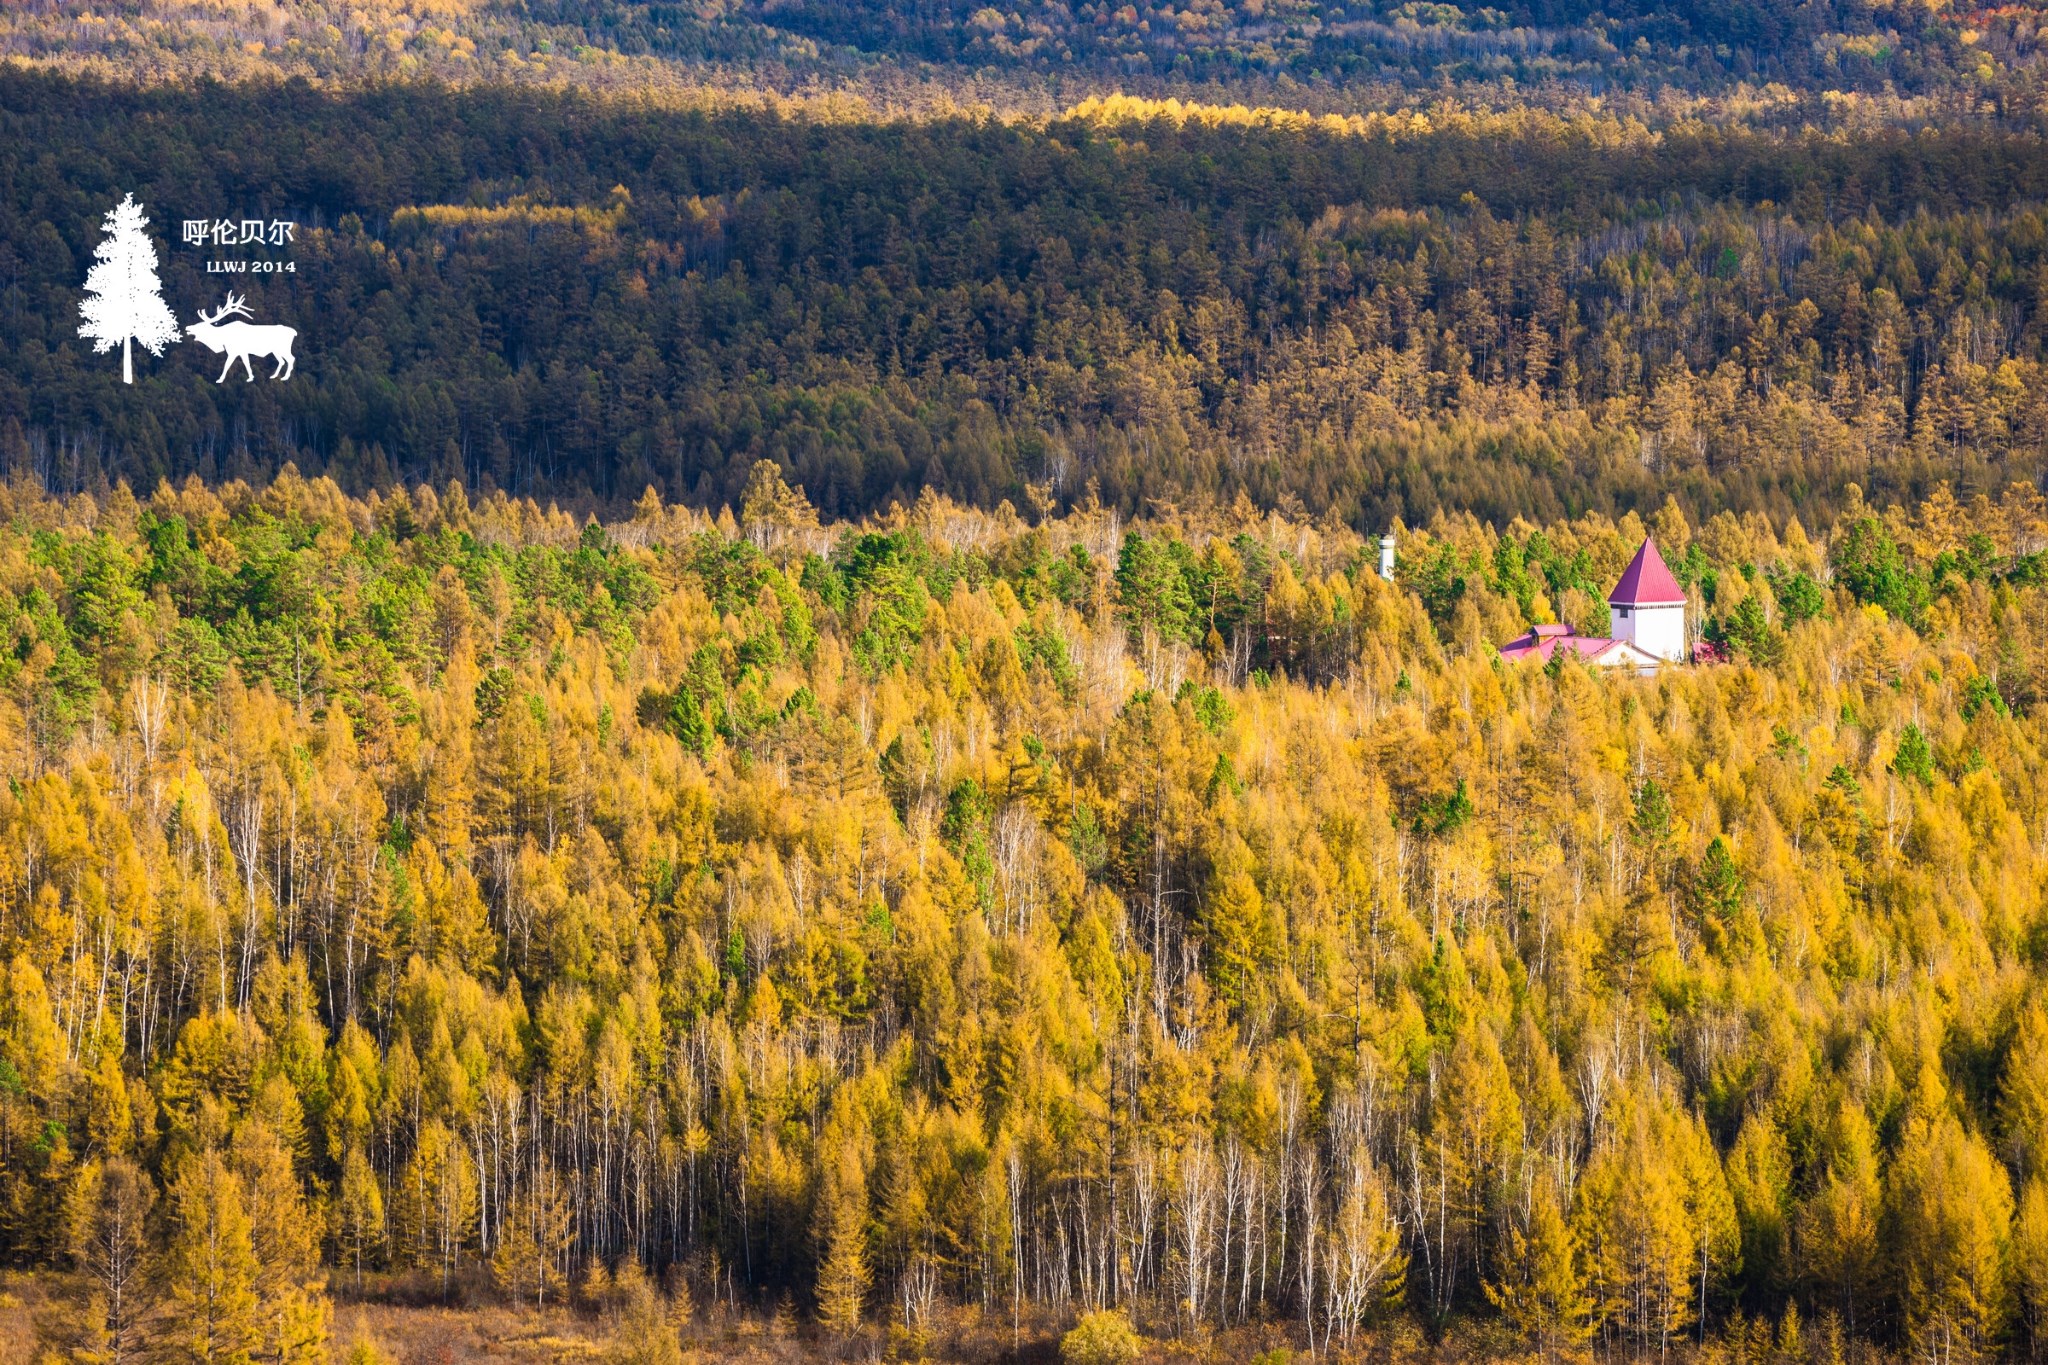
(1031, 55)
(1513, 314)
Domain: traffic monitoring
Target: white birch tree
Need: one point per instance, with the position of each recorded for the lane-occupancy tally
(123, 298)
(1363, 1263)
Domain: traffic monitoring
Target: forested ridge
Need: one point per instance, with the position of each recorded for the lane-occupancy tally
(1912, 59)
(1512, 313)
(941, 926)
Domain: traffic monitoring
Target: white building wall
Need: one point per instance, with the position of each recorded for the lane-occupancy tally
(1654, 630)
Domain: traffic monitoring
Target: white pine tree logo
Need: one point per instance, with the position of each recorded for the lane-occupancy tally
(123, 298)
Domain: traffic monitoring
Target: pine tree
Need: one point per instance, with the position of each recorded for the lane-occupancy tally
(1639, 1220)
(359, 1211)
(1949, 1213)
(1791, 1344)
(771, 511)
(436, 1198)
(644, 1327)
(124, 299)
(2023, 1098)
(209, 1268)
(1240, 933)
(1543, 1292)
(290, 1287)
(1759, 1174)
(2030, 1263)
(534, 1241)
(109, 1210)
(1914, 758)
(843, 1277)
(1837, 1227)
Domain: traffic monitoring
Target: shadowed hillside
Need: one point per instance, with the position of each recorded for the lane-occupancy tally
(1367, 317)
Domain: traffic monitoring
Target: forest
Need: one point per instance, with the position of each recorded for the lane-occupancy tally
(1518, 312)
(927, 931)
(1041, 55)
(787, 743)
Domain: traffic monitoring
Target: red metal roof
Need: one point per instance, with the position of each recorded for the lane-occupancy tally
(1646, 582)
(1544, 641)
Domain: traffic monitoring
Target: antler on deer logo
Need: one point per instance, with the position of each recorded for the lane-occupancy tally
(240, 340)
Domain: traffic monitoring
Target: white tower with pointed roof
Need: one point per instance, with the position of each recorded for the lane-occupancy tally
(1647, 607)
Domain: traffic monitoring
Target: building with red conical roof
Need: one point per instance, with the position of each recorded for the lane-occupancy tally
(1647, 617)
(1647, 607)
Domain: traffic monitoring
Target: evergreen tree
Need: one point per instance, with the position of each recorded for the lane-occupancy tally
(109, 1213)
(843, 1274)
(1542, 1291)
(1948, 1218)
(644, 1328)
(209, 1269)
(1244, 1000)
(534, 1241)
(1914, 759)
(284, 1235)
(124, 299)
(359, 1212)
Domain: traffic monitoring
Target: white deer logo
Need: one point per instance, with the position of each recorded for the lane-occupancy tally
(244, 339)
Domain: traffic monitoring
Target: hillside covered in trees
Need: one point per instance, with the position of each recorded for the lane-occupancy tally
(1038, 55)
(932, 928)
(786, 744)
(1509, 313)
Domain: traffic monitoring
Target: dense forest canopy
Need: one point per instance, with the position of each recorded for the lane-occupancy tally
(942, 919)
(1038, 54)
(789, 727)
(1518, 313)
